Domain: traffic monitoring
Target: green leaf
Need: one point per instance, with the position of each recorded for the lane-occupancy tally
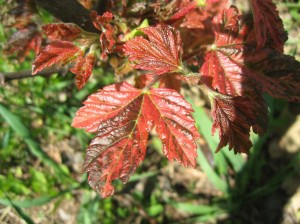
(155, 210)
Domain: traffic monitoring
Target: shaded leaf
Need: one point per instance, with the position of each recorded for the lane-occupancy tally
(62, 31)
(160, 54)
(56, 52)
(107, 41)
(23, 41)
(278, 73)
(236, 65)
(170, 81)
(233, 116)
(227, 73)
(268, 25)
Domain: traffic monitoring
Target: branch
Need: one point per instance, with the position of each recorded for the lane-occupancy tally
(6, 77)
(69, 11)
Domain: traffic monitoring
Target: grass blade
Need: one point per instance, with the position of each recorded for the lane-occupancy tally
(27, 203)
(195, 209)
(34, 148)
(211, 174)
(19, 210)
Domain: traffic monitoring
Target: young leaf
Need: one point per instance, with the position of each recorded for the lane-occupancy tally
(83, 69)
(62, 31)
(268, 25)
(107, 38)
(235, 65)
(101, 22)
(123, 116)
(107, 41)
(55, 52)
(223, 69)
(278, 73)
(233, 116)
(119, 146)
(160, 54)
(175, 126)
(103, 105)
(23, 41)
(226, 72)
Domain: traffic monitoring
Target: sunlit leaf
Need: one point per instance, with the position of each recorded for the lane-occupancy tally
(160, 54)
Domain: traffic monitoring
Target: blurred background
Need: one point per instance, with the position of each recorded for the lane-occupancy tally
(41, 157)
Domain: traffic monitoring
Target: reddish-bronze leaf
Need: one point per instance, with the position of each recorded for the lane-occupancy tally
(120, 144)
(170, 81)
(175, 127)
(278, 73)
(233, 116)
(268, 25)
(23, 41)
(160, 54)
(56, 52)
(103, 105)
(123, 116)
(201, 17)
(223, 69)
(62, 31)
(107, 41)
(226, 71)
(235, 64)
(100, 22)
(107, 37)
(83, 69)
(183, 10)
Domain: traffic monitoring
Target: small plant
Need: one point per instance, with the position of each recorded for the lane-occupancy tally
(231, 56)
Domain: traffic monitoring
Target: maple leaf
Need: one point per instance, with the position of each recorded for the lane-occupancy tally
(201, 17)
(174, 125)
(23, 41)
(160, 54)
(83, 69)
(225, 71)
(62, 31)
(101, 22)
(268, 25)
(55, 52)
(123, 116)
(278, 73)
(235, 67)
(234, 116)
(184, 9)
(107, 38)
